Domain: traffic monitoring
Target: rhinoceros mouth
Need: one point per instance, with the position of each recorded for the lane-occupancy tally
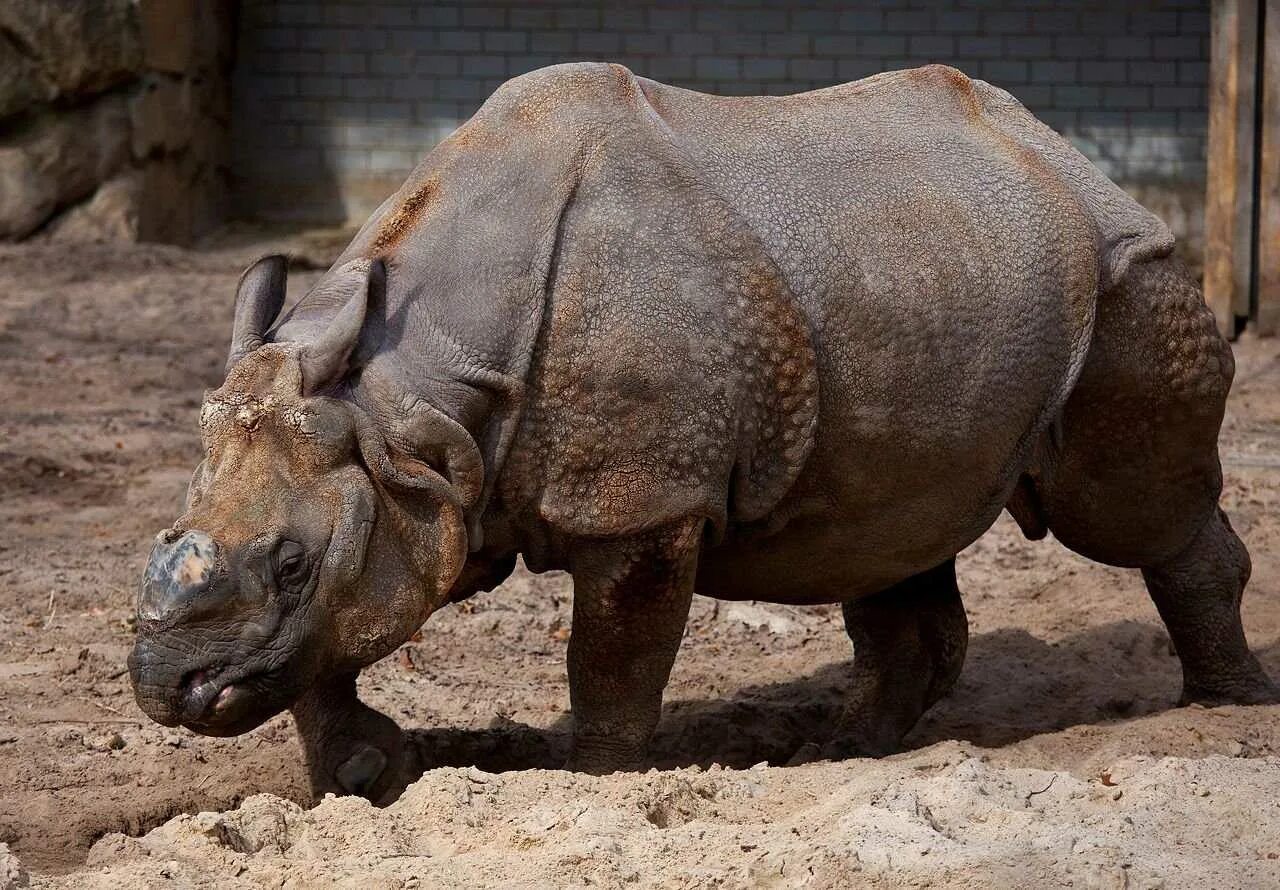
(225, 702)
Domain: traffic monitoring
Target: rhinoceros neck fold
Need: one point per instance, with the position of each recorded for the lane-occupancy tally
(468, 243)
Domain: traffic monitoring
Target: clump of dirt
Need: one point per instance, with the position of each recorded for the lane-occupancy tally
(1060, 756)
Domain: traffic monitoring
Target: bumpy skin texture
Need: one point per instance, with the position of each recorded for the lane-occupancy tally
(798, 349)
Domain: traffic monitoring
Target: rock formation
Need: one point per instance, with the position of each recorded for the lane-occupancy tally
(114, 118)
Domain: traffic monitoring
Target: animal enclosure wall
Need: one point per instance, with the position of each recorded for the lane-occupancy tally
(335, 102)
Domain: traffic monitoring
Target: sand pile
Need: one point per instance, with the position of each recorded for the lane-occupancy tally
(944, 815)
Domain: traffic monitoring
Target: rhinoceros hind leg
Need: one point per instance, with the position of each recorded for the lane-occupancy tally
(350, 748)
(1197, 594)
(1137, 478)
(908, 647)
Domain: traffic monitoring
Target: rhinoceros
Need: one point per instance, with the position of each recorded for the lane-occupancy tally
(797, 349)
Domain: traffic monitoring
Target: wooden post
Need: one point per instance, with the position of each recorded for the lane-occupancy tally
(1268, 243)
(1229, 201)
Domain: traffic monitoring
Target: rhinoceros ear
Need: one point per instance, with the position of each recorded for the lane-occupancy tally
(258, 302)
(328, 358)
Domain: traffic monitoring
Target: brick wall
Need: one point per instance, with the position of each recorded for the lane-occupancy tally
(336, 101)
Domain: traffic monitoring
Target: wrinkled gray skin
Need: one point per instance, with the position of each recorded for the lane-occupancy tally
(799, 349)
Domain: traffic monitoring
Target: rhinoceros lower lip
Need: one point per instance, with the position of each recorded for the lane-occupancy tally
(198, 692)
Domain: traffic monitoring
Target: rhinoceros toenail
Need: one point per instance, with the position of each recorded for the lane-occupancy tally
(361, 770)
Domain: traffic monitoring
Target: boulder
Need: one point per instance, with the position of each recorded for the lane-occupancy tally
(93, 89)
(60, 158)
(21, 83)
(52, 51)
(110, 215)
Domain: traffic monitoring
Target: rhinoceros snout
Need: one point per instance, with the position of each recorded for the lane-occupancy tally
(207, 654)
(180, 577)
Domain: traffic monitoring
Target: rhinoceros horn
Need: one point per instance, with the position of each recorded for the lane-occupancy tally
(258, 302)
(327, 359)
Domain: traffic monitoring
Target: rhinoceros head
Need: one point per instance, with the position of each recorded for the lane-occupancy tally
(307, 548)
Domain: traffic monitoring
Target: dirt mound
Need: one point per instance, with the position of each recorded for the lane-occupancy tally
(944, 815)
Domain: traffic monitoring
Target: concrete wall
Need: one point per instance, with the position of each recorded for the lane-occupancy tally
(336, 101)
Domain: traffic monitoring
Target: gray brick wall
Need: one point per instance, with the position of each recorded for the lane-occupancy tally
(335, 101)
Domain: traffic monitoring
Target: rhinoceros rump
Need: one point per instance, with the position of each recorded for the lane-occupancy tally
(799, 349)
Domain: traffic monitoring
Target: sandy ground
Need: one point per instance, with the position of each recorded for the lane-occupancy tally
(1059, 760)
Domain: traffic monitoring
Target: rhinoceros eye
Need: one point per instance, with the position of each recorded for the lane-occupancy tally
(290, 563)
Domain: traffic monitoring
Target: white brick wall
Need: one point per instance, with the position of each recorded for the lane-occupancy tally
(335, 101)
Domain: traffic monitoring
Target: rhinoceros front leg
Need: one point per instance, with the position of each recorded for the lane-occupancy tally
(909, 644)
(630, 603)
(349, 747)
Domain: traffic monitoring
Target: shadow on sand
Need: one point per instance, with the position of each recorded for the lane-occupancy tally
(1014, 686)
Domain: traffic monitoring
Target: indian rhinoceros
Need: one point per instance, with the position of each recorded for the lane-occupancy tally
(800, 349)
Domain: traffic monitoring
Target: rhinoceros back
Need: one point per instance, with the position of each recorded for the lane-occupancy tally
(1128, 232)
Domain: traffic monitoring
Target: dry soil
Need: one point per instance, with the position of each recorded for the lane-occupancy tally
(1059, 760)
